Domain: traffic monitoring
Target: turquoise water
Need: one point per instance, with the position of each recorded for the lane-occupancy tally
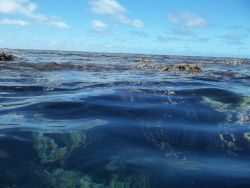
(74, 120)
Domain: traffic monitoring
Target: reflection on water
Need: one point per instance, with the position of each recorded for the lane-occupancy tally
(76, 120)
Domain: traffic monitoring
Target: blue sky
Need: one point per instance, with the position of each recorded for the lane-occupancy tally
(180, 27)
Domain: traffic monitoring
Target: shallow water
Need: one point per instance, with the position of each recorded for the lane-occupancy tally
(74, 120)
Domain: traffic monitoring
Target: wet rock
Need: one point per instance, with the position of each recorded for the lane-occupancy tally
(6, 57)
(187, 67)
(147, 66)
(52, 66)
(236, 62)
(165, 69)
(195, 69)
(143, 60)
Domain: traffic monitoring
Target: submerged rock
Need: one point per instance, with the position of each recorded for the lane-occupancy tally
(246, 136)
(237, 113)
(52, 66)
(50, 151)
(240, 106)
(71, 179)
(3, 154)
(234, 111)
(159, 137)
(6, 57)
(130, 181)
(236, 62)
(62, 178)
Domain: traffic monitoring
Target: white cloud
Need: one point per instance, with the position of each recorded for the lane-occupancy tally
(138, 24)
(39, 17)
(17, 6)
(188, 19)
(19, 23)
(59, 24)
(111, 8)
(99, 25)
(28, 8)
(115, 10)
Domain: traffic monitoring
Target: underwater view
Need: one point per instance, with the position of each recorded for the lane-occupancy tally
(102, 120)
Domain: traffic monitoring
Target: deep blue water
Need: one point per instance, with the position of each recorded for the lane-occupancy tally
(76, 120)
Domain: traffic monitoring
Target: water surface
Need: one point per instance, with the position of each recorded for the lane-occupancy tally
(74, 120)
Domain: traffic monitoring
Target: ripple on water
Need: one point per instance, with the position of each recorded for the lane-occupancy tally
(71, 119)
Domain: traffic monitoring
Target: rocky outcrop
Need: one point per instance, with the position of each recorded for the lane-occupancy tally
(6, 57)
(236, 62)
(187, 67)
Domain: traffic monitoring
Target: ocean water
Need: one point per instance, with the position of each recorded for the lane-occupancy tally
(77, 120)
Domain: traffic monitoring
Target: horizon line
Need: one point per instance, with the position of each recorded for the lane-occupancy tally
(132, 53)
